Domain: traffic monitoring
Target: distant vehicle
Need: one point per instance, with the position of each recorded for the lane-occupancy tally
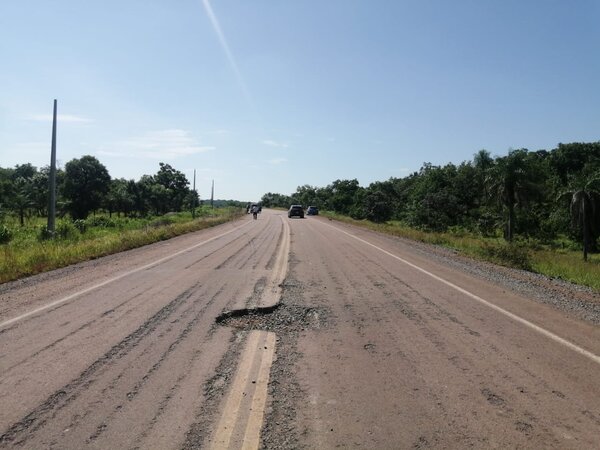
(296, 210)
(249, 208)
(312, 211)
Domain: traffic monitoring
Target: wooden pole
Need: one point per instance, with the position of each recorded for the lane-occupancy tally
(194, 199)
(52, 180)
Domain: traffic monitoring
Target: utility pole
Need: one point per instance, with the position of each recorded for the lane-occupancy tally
(212, 194)
(52, 180)
(194, 199)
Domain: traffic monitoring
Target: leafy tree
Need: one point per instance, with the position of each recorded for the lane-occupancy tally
(86, 183)
(377, 203)
(570, 160)
(305, 195)
(118, 198)
(159, 199)
(139, 193)
(175, 184)
(274, 200)
(433, 201)
(24, 171)
(343, 194)
(191, 200)
(6, 189)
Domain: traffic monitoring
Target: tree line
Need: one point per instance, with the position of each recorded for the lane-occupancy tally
(540, 194)
(85, 186)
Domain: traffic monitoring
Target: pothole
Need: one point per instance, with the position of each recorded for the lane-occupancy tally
(288, 319)
(279, 318)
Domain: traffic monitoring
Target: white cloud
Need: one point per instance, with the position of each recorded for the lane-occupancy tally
(276, 144)
(158, 145)
(276, 161)
(61, 118)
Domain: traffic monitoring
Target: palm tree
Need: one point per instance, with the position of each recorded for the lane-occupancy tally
(585, 211)
(512, 182)
(483, 161)
(21, 198)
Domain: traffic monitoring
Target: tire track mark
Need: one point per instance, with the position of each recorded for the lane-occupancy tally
(139, 385)
(22, 430)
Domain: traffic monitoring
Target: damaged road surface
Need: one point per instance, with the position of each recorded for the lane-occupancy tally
(121, 352)
(293, 334)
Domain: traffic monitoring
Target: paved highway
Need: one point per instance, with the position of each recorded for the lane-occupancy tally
(332, 337)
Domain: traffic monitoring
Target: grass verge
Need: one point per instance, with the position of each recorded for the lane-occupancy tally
(35, 256)
(556, 263)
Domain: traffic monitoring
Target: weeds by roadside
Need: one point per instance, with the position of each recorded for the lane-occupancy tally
(30, 252)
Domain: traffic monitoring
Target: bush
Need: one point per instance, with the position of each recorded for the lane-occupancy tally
(515, 255)
(44, 233)
(5, 234)
(161, 222)
(100, 221)
(81, 225)
(66, 230)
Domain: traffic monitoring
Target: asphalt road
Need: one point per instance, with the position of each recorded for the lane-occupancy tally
(358, 341)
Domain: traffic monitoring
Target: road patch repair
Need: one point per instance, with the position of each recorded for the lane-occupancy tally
(242, 417)
(267, 322)
(262, 328)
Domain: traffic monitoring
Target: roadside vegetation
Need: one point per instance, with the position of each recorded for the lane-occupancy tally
(97, 215)
(538, 211)
(31, 251)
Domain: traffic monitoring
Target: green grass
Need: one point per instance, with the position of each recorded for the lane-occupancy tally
(561, 260)
(27, 254)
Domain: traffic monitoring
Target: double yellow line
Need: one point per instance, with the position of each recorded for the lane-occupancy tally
(241, 422)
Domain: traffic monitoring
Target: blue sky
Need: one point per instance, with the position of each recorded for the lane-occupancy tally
(266, 95)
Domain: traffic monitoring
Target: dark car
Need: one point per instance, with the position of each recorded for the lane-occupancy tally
(296, 210)
(312, 211)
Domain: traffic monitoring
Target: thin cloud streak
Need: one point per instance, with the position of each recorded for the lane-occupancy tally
(276, 144)
(217, 27)
(277, 161)
(157, 145)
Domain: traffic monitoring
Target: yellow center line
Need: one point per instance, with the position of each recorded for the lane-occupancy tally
(252, 435)
(232, 407)
(245, 405)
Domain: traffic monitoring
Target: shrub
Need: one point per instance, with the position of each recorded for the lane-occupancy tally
(5, 234)
(44, 233)
(65, 230)
(81, 225)
(161, 222)
(100, 221)
(515, 255)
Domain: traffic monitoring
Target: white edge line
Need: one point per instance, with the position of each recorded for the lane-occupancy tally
(104, 283)
(529, 324)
